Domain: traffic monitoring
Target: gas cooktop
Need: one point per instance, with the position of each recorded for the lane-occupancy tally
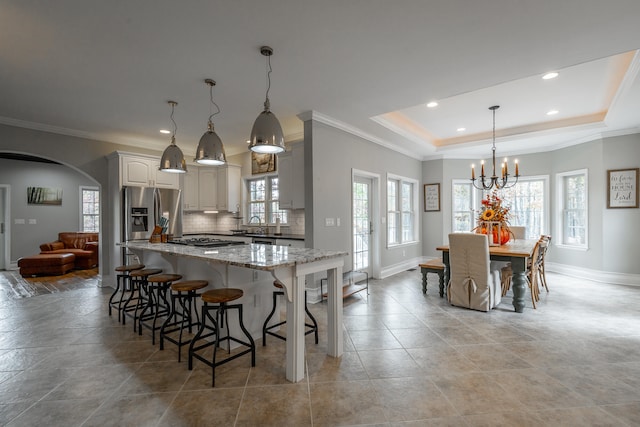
(205, 242)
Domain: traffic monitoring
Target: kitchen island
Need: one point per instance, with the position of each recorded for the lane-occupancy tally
(227, 267)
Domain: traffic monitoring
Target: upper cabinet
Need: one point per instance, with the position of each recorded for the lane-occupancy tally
(291, 177)
(143, 171)
(212, 188)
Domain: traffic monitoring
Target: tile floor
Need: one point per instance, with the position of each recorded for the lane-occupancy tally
(410, 360)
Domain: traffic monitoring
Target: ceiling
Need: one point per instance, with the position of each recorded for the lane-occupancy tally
(105, 70)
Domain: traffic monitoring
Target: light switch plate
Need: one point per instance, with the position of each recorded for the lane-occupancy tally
(32, 221)
(19, 221)
(329, 222)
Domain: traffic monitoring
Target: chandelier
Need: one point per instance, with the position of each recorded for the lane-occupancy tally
(494, 181)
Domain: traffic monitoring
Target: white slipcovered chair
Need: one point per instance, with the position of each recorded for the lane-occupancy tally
(473, 284)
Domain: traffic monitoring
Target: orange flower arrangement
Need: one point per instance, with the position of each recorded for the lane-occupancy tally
(493, 210)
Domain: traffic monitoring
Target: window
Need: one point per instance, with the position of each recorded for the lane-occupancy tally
(402, 196)
(263, 200)
(90, 209)
(573, 208)
(464, 203)
(528, 201)
(529, 204)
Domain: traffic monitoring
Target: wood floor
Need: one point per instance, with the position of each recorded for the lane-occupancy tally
(13, 285)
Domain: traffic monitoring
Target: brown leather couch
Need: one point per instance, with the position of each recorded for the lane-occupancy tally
(83, 245)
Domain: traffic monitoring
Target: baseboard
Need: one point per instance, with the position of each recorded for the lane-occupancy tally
(594, 275)
(400, 267)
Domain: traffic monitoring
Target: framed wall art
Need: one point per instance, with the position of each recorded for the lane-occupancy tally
(44, 196)
(622, 188)
(431, 197)
(262, 163)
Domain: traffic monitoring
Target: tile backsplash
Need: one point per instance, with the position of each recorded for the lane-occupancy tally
(199, 222)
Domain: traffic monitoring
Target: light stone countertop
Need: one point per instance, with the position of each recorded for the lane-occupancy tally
(255, 256)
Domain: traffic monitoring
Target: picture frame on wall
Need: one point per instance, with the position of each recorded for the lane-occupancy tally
(432, 197)
(622, 188)
(262, 163)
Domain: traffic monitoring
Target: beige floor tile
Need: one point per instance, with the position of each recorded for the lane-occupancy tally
(66, 413)
(345, 403)
(131, 410)
(278, 405)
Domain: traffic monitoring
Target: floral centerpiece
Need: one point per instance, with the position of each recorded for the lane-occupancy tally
(494, 219)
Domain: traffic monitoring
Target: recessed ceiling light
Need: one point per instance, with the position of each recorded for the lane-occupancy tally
(461, 129)
(432, 104)
(549, 76)
(552, 112)
(165, 131)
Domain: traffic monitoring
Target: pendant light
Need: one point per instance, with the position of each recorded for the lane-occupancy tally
(172, 159)
(494, 181)
(210, 149)
(266, 135)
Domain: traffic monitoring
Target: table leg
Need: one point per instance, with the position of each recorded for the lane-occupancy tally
(447, 273)
(424, 281)
(519, 282)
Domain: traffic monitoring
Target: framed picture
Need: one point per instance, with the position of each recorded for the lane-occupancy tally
(622, 190)
(262, 163)
(44, 196)
(431, 197)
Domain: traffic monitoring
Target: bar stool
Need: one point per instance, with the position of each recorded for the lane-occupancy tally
(139, 288)
(185, 293)
(123, 281)
(157, 304)
(311, 327)
(216, 301)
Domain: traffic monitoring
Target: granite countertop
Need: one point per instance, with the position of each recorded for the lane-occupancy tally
(256, 256)
(261, 235)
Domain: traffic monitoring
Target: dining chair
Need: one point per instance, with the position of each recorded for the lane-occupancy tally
(473, 284)
(519, 231)
(543, 277)
(534, 272)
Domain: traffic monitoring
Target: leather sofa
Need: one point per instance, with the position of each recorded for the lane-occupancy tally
(83, 245)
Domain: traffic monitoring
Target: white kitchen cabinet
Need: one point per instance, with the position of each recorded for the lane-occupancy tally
(143, 171)
(219, 188)
(190, 189)
(291, 177)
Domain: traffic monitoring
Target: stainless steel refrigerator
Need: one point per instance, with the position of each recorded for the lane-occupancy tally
(143, 208)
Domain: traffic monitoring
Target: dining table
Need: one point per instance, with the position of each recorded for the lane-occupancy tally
(517, 252)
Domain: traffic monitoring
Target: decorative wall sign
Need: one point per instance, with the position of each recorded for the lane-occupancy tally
(262, 163)
(44, 196)
(431, 197)
(622, 191)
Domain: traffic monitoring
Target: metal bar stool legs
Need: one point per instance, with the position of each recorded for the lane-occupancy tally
(137, 295)
(185, 293)
(157, 304)
(214, 312)
(123, 285)
(267, 330)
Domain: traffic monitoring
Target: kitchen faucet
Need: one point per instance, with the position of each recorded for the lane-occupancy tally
(259, 230)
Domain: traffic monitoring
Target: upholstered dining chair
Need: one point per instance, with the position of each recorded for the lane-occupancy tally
(519, 232)
(472, 283)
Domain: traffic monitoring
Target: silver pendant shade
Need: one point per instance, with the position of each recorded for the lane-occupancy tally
(210, 150)
(172, 158)
(266, 134)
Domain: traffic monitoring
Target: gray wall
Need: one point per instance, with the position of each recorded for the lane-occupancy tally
(334, 154)
(49, 219)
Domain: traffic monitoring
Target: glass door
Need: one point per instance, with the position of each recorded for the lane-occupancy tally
(362, 224)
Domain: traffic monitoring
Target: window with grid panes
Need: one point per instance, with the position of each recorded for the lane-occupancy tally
(90, 209)
(401, 210)
(572, 192)
(263, 200)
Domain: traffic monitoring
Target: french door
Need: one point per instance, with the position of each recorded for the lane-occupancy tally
(362, 223)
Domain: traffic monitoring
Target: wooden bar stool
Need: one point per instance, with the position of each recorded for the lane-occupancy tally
(157, 304)
(185, 293)
(123, 285)
(266, 330)
(138, 283)
(216, 302)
